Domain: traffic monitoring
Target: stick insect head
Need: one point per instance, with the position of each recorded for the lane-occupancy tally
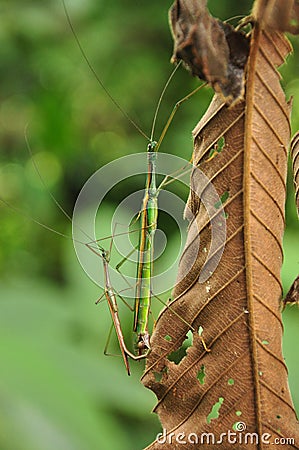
(105, 254)
(152, 146)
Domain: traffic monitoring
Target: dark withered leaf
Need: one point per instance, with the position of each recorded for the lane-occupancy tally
(211, 49)
(295, 162)
(292, 297)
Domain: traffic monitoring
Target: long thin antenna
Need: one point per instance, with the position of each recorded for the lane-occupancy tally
(41, 178)
(161, 98)
(45, 186)
(93, 71)
(41, 224)
(175, 109)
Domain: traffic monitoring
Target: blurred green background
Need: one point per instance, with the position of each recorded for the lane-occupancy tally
(57, 390)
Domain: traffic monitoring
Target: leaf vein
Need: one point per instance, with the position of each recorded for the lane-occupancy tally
(256, 256)
(271, 127)
(266, 190)
(283, 400)
(267, 156)
(261, 301)
(268, 229)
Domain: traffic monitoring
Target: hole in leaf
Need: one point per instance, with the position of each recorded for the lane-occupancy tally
(278, 416)
(168, 338)
(214, 414)
(201, 375)
(238, 413)
(158, 375)
(177, 355)
(264, 342)
(217, 148)
(220, 144)
(294, 22)
(222, 200)
(231, 382)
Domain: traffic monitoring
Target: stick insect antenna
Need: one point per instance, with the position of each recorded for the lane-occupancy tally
(93, 71)
(160, 100)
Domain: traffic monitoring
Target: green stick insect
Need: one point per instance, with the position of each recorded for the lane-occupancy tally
(148, 226)
(148, 221)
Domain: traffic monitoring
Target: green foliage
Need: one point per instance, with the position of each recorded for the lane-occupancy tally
(57, 390)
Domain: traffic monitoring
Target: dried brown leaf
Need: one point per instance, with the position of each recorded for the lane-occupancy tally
(277, 15)
(243, 376)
